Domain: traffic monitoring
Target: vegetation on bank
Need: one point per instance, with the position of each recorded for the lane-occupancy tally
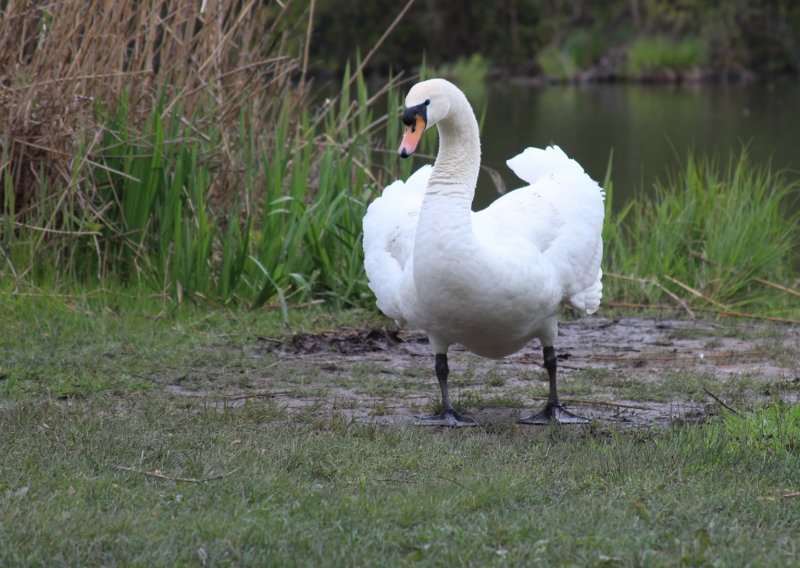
(647, 57)
(719, 235)
(186, 156)
(570, 40)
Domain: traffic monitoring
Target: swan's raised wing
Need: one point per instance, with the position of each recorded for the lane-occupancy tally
(389, 229)
(561, 214)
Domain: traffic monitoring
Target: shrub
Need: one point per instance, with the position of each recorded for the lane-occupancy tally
(656, 55)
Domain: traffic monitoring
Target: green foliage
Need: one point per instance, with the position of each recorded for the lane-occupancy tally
(557, 63)
(774, 429)
(748, 34)
(209, 180)
(656, 55)
(716, 230)
(581, 49)
(469, 73)
(442, 31)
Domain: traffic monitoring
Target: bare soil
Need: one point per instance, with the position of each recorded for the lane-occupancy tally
(625, 371)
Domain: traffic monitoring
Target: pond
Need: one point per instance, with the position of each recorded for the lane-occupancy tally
(649, 128)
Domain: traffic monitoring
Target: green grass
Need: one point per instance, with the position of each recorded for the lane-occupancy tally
(578, 51)
(112, 341)
(715, 235)
(309, 486)
(251, 192)
(557, 63)
(339, 493)
(657, 54)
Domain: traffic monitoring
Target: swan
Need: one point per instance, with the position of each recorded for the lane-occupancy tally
(490, 281)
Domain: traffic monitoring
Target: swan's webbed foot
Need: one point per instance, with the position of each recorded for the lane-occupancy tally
(449, 418)
(554, 413)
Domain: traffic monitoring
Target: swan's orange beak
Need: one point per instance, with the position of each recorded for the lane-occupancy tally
(412, 136)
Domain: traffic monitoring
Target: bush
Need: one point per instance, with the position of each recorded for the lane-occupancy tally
(657, 55)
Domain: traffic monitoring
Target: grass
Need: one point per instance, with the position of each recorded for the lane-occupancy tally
(653, 55)
(292, 232)
(339, 493)
(114, 341)
(469, 73)
(719, 236)
(578, 51)
(557, 63)
(80, 467)
(646, 58)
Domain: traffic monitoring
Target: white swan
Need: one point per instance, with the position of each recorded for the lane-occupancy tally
(493, 280)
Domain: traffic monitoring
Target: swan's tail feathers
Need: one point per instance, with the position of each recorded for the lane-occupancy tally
(389, 228)
(588, 300)
(535, 164)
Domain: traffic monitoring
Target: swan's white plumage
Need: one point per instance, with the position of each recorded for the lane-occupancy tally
(494, 279)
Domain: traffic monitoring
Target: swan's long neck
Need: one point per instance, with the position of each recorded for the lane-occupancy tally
(459, 157)
(446, 208)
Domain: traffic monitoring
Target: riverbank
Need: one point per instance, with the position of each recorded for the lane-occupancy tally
(581, 40)
(197, 436)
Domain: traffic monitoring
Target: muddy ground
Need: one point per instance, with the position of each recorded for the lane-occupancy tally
(625, 371)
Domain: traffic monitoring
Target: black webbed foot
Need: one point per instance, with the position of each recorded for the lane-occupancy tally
(554, 413)
(448, 418)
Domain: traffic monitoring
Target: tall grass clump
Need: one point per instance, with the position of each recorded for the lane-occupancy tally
(175, 145)
(717, 236)
(773, 429)
(557, 63)
(578, 51)
(658, 55)
(469, 73)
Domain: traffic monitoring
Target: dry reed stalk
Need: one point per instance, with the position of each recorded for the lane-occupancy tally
(59, 59)
(696, 293)
(777, 286)
(653, 282)
(762, 281)
(171, 477)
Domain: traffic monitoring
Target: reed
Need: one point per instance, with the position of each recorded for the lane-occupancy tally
(185, 156)
(716, 235)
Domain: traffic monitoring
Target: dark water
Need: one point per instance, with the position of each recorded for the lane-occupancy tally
(649, 128)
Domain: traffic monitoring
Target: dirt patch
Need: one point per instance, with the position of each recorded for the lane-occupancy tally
(625, 371)
(346, 343)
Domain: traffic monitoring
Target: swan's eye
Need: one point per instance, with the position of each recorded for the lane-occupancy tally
(410, 114)
(427, 102)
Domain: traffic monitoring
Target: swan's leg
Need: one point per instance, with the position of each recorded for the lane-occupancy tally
(553, 411)
(448, 416)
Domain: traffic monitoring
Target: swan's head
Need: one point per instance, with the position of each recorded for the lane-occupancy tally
(427, 103)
